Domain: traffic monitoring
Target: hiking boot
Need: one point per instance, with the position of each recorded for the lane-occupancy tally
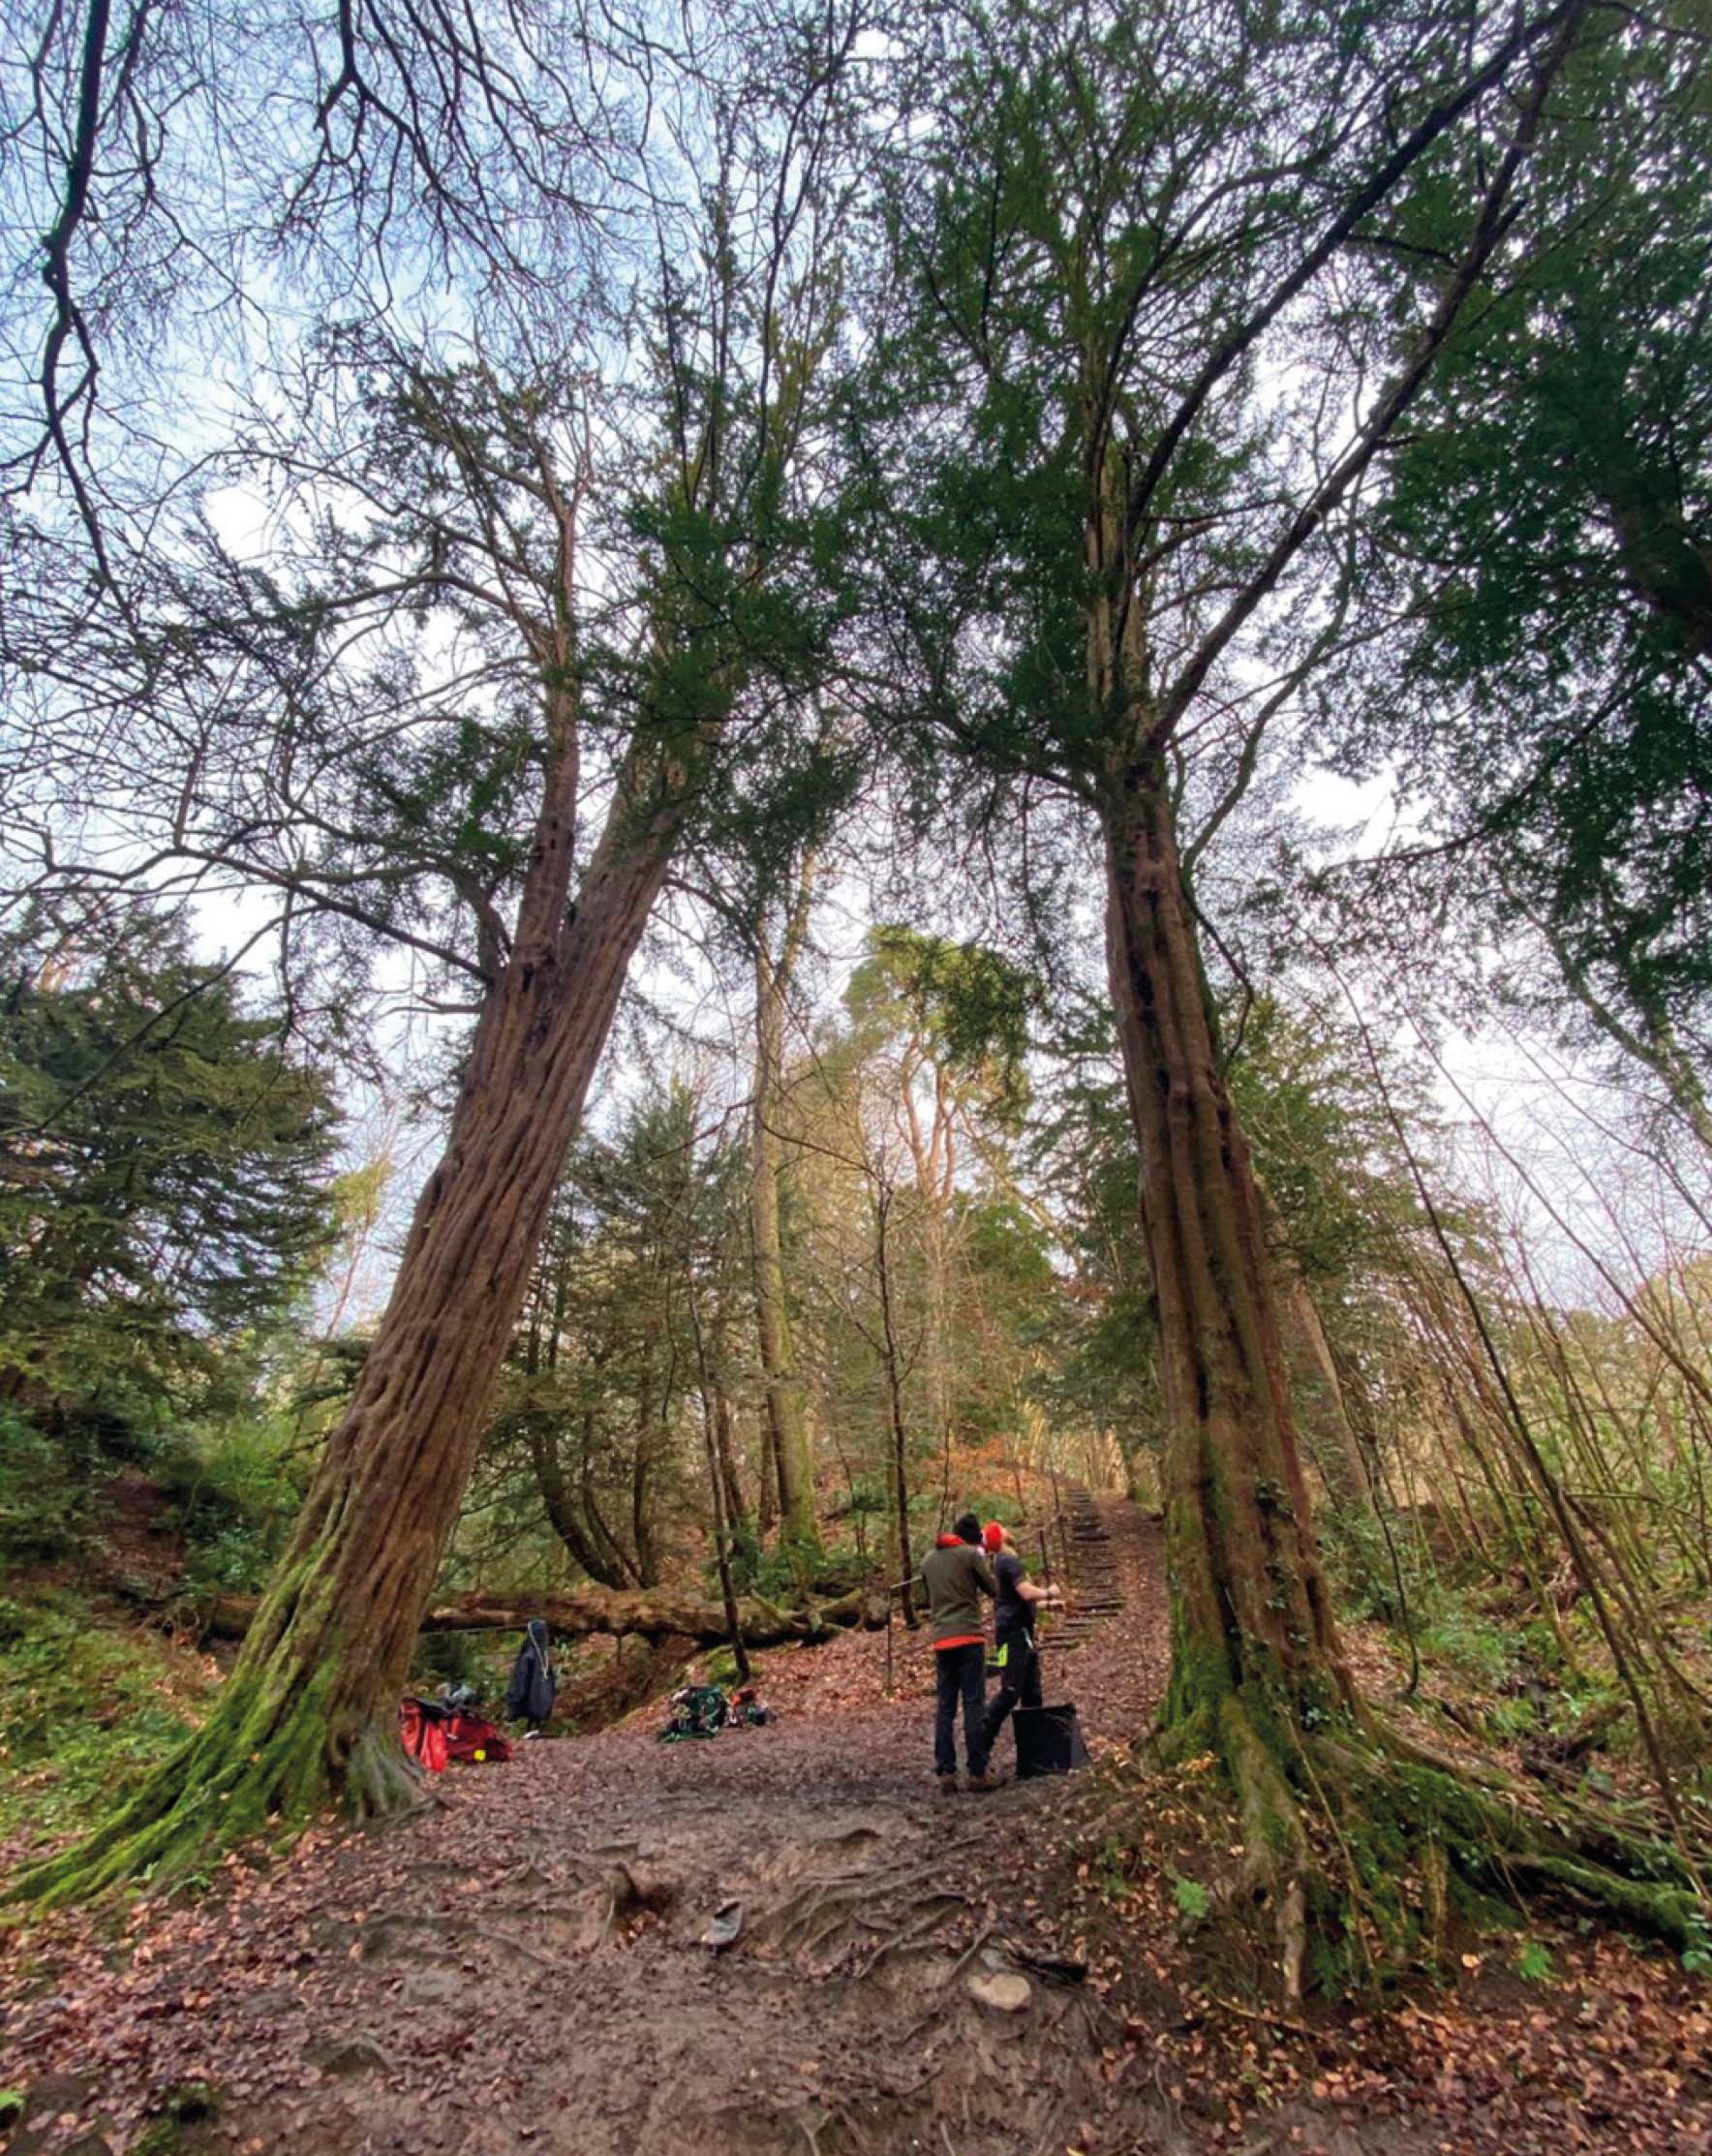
(985, 1780)
(947, 1784)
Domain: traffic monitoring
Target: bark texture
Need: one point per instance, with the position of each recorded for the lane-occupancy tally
(1257, 1675)
(311, 1709)
(1252, 1615)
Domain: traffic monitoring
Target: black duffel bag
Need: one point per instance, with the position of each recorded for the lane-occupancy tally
(1049, 1740)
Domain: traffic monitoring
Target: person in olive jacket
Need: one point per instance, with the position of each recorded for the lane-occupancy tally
(956, 1575)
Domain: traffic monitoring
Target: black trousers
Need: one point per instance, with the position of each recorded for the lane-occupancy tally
(960, 1674)
(1018, 1682)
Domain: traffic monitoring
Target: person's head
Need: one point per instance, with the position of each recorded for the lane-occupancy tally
(967, 1528)
(537, 1632)
(993, 1537)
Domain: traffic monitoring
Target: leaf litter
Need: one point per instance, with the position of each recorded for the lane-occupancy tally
(525, 1966)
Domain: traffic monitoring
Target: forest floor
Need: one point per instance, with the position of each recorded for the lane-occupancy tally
(521, 1969)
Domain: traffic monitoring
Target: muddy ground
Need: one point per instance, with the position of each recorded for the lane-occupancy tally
(523, 1969)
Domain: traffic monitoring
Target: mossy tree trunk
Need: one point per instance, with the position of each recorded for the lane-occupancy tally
(311, 1711)
(1257, 1675)
(1253, 1627)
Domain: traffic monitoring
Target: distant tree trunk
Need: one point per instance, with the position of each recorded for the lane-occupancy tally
(736, 1509)
(564, 1515)
(560, 1296)
(786, 1407)
(767, 1500)
(1254, 1644)
(650, 1423)
(723, 1545)
(1317, 1395)
(310, 1708)
(710, 1439)
(891, 1365)
(532, 1336)
(616, 1553)
(934, 1153)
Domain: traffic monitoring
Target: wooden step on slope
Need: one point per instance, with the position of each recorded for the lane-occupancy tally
(1095, 1597)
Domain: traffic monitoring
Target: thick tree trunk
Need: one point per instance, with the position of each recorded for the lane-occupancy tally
(786, 1406)
(311, 1708)
(1255, 1673)
(1253, 1633)
(1255, 1663)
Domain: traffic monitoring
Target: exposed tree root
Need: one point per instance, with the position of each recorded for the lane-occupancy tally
(1357, 1842)
(831, 1910)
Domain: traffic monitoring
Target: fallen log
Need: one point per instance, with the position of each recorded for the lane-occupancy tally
(652, 1613)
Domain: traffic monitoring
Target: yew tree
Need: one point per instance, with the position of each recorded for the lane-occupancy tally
(1544, 558)
(1163, 288)
(525, 625)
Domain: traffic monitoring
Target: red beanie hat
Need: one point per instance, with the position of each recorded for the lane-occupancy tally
(992, 1536)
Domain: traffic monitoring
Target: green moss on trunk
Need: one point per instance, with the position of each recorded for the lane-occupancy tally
(1355, 1841)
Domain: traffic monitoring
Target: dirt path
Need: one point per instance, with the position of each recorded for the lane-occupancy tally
(523, 1969)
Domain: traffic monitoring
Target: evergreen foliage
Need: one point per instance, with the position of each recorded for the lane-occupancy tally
(164, 1163)
(1544, 551)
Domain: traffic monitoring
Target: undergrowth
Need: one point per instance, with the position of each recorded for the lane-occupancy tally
(232, 1499)
(86, 1707)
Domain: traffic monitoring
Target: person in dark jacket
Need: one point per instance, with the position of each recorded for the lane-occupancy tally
(1014, 1651)
(955, 1575)
(532, 1689)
